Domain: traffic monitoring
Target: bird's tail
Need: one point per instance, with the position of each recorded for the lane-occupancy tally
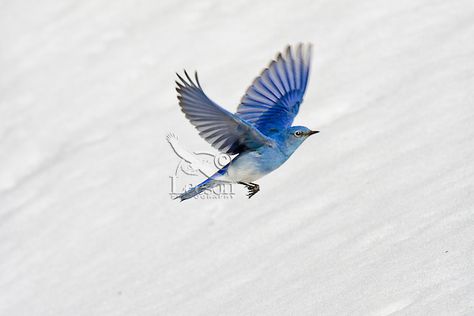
(207, 184)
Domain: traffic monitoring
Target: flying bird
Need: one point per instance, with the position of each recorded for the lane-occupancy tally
(260, 132)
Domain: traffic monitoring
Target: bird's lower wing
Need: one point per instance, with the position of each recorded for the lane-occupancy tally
(223, 130)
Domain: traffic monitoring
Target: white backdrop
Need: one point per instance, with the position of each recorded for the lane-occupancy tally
(373, 216)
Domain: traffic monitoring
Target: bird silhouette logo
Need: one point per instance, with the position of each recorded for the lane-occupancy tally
(196, 163)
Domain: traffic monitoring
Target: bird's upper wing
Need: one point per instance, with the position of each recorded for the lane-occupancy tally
(223, 130)
(273, 100)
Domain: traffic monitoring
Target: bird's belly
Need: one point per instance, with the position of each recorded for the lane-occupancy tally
(243, 175)
(252, 166)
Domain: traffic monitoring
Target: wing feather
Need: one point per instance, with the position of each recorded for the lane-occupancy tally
(273, 100)
(225, 131)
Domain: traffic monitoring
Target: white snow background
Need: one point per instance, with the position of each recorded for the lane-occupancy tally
(373, 216)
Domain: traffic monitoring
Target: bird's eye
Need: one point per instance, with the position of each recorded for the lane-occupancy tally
(298, 133)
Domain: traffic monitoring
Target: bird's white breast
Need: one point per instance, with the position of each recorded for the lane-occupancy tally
(252, 166)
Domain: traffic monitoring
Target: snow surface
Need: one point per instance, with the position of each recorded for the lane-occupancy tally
(373, 216)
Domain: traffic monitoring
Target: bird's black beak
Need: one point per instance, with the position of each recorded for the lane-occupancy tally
(312, 132)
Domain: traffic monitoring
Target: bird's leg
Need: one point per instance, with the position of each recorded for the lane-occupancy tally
(253, 190)
(252, 187)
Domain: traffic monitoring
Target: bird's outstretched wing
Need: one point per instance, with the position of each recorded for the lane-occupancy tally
(222, 129)
(273, 100)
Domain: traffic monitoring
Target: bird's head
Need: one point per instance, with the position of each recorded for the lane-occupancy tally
(300, 133)
(296, 135)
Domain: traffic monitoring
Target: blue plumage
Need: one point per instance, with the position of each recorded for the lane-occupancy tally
(260, 132)
(274, 98)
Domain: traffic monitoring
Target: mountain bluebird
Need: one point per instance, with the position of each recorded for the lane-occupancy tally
(260, 132)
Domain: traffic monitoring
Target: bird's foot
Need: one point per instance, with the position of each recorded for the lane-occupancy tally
(253, 190)
(252, 187)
